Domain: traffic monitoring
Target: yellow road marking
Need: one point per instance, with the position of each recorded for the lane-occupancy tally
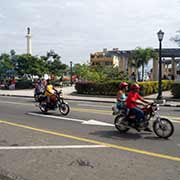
(95, 111)
(163, 156)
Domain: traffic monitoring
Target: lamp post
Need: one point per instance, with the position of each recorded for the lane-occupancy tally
(160, 35)
(71, 72)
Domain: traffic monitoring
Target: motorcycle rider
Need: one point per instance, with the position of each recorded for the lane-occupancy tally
(49, 91)
(131, 103)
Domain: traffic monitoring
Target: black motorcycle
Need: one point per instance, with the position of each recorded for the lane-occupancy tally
(56, 102)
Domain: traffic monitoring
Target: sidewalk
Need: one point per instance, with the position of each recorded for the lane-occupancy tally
(69, 93)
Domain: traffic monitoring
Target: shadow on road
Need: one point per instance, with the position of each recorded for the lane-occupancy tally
(117, 135)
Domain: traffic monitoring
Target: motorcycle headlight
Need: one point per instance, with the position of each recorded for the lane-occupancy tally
(155, 107)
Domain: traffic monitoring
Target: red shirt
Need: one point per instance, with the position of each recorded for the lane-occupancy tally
(132, 97)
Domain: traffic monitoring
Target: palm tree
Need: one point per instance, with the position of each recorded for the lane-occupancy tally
(140, 57)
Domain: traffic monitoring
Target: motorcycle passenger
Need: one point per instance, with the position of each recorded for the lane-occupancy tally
(120, 98)
(39, 88)
(121, 95)
(49, 92)
(131, 103)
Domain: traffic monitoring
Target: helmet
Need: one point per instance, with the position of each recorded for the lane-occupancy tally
(123, 85)
(135, 86)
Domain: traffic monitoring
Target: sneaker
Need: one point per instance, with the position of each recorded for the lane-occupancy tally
(148, 129)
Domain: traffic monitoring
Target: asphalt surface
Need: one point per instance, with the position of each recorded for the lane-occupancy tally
(79, 146)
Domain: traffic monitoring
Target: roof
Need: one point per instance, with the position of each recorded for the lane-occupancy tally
(166, 52)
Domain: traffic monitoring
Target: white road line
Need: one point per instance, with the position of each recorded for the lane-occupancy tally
(97, 123)
(51, 147)
(172, 118)
(86, 122)
(56, 117)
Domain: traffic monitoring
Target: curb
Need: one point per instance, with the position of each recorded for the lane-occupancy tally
(87, 100)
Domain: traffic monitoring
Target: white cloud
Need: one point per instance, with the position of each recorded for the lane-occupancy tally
(75, 28)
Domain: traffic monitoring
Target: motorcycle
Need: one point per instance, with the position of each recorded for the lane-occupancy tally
(162, 127)
(38, 93)
(56, 102)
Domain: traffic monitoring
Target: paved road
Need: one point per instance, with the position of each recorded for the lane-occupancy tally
(78, 146)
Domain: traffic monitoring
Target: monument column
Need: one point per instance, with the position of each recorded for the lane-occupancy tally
(28, 37)
(174, 70)
(155, 70)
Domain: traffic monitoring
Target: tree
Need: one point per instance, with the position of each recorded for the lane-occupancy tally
(5, 65)
(98, 73)
(140, 57)
(54, 64)
(28, 65)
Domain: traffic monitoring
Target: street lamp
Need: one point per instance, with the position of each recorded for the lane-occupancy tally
(160, 35)
(71, 72)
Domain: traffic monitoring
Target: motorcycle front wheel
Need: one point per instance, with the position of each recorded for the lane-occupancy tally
(36, 97)
(163, 128)
(43, 108)
(64, 109)
(120, 127)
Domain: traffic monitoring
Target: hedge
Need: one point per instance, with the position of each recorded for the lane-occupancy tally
(111, 87)
(24, 84)
(176, 89)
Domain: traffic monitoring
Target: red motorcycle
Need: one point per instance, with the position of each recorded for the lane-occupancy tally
(162, 127)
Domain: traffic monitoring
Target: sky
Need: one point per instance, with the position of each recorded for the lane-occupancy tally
(76, 28)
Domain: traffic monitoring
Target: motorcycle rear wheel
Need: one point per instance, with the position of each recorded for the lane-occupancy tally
(64, 109)
(163, 128)
(120, 127)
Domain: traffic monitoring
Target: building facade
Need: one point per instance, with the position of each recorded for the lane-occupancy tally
(115, 58)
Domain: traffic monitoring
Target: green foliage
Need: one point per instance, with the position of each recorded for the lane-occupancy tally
(5, 65)
(53, 63)
(92, 88)
(29, 65)
(26, 65)
(176, 89)
(98, 73)
(140, 57)
(111, 87)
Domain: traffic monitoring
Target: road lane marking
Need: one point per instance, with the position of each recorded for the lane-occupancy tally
(86, 122)
(95, 111)
(97, 123)
(52, 147)
(56, 117)
(124, 148)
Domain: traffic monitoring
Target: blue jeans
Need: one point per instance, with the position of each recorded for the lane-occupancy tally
(139, 114)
